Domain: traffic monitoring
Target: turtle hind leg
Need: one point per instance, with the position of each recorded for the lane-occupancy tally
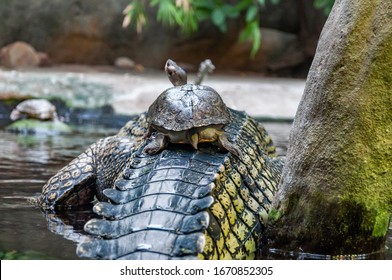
(156, 145)
(225, 144)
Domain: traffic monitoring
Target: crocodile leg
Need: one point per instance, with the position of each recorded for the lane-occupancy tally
(87, 175)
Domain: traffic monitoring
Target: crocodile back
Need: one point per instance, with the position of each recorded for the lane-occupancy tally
(187, 204)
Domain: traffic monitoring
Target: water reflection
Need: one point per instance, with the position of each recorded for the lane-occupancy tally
(70, 224)
(26, 163)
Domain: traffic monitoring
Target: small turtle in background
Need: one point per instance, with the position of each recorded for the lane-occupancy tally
(187, 114)
(36, 116)
(39, 109)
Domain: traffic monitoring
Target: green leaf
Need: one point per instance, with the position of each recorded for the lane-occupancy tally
(245, 33)
(154, 2)
(230, 11)
(242, 5)
(319, 4)
(325, 5)
(251, 32)
(204, 4)
(217, 11)
(256, 41)
(168, 13)
(251, 13)
(327, 10)
(190, 21)
(135, 15)
(217, 16)
(219, 19)
(202, 14)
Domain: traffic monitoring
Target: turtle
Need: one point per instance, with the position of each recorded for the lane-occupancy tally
(187, 114)
(40, 109)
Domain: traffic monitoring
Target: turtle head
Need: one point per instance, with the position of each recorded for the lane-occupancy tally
(15, 115)
(176, 74)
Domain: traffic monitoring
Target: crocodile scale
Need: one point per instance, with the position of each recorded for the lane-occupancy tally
(188, 204)
(87, 175)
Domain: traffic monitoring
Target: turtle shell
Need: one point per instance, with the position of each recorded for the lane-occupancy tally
(35, 108)
(184, 107)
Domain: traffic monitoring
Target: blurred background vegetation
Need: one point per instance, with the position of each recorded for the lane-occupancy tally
(271, 37)
(187, 14)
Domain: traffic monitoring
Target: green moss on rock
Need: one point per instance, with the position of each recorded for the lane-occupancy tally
(335, 195)
(31, 126)
(273, 215)
(370, 176)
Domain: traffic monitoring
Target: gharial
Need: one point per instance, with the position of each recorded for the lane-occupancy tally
(176, 203)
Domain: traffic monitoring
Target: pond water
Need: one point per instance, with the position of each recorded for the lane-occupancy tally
(26, 163)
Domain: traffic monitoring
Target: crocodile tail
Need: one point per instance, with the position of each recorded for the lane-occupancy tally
(158, 209)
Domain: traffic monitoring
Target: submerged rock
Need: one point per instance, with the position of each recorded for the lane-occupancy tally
(37, 116)
(39, 127)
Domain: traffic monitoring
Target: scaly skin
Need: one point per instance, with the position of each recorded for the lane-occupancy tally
(180, 203)
(186, 204)
(93, 171)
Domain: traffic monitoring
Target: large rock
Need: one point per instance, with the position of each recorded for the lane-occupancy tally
(83, 32)
(275, 46)
(69, 31)
(19, 55)
(335, 196)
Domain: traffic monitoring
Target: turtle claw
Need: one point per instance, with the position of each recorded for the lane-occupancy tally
(194, 140)
(151, 149)
(156, 145)
(228, 146)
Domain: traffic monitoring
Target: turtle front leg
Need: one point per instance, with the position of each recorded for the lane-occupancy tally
(148, 133)
(156, 145)
(225, 144)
